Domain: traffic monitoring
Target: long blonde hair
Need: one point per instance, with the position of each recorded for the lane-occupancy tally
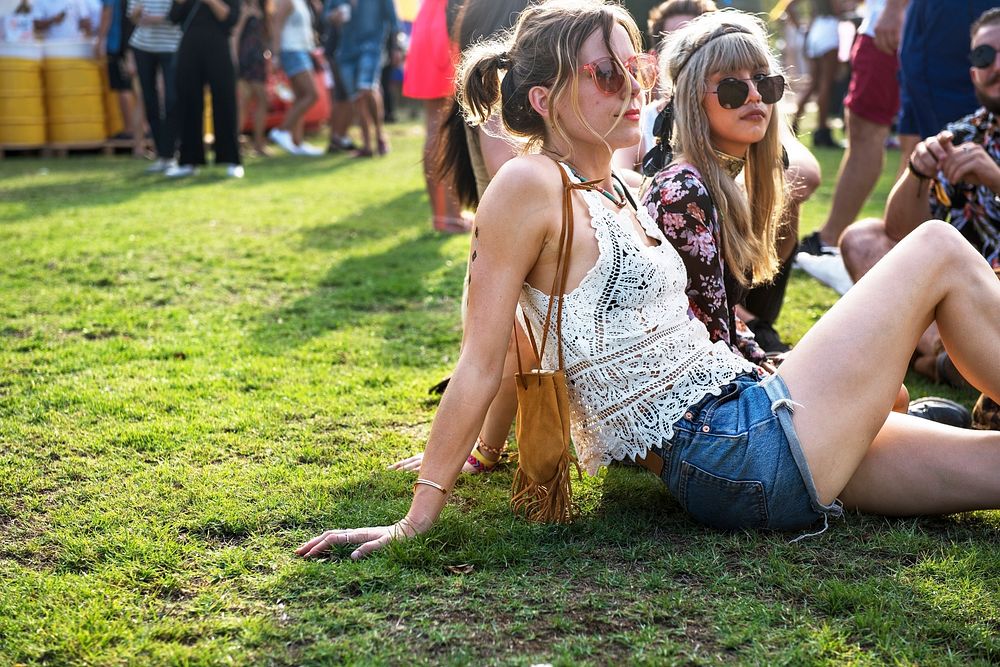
(727, 41)
(542, 50)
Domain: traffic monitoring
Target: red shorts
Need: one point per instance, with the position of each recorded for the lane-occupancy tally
(874, 90)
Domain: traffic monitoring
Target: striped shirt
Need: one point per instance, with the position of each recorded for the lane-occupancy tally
(162, 38)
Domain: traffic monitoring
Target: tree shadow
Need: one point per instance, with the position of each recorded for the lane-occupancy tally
(391, 289)
(119, 180)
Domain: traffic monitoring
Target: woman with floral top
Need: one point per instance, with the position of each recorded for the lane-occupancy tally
(738, 450)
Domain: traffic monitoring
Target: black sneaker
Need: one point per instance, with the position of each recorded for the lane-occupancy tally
(814, 245)
(823, 138)
(942, 411)
(767, 337)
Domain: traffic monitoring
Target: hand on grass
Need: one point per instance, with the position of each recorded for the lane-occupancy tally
(412, 464)
(371, 539)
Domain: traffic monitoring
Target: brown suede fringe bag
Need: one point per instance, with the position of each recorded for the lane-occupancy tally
(541, 491)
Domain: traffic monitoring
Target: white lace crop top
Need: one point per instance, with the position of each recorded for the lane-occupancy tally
(635, 360)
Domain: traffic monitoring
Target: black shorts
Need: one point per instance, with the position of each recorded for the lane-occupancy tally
(118, 76)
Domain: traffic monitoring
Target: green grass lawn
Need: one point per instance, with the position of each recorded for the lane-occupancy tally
(197, 376)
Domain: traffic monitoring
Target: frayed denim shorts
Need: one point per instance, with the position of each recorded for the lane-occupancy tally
(735, 462)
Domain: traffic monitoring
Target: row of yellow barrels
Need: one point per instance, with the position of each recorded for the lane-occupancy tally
(54, 93)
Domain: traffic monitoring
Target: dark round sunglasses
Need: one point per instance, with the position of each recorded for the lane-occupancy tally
(982, 56)
(610, 78)
(733, 93)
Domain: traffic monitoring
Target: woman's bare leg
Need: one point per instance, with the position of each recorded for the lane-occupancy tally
(444, 202)
(916, 466)
(845, 373)
(502, 410)
(304, 89)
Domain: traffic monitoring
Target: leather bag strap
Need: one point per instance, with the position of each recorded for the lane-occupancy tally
(561, 273)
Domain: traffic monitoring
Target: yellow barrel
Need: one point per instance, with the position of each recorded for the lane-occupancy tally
(114, 123)
(74, 94)
(22, 108)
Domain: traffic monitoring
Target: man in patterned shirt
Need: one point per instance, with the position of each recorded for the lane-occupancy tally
(952, 176)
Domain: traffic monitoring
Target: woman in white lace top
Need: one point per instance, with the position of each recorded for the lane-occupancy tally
(738, 451)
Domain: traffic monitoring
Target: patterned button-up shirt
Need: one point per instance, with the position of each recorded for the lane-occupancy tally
(974, 209)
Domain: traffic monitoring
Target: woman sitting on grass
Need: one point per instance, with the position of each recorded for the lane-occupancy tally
(777, 453)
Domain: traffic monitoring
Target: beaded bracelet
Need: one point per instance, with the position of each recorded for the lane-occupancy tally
(495, 452)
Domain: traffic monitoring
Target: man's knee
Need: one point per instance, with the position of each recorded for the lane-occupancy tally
(863, 244)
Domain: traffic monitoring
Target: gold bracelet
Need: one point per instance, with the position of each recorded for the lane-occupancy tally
(427, 482)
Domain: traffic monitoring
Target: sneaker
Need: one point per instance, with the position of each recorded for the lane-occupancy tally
(942, 411)
(828, 269)
(160, 165)
(341, 144)
(823, 138)
(284, 139)
(308, 149)
(767, 337)
(814, 245)
(235, 171)
(180, 171)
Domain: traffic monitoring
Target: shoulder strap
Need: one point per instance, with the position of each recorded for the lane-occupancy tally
(562, 270)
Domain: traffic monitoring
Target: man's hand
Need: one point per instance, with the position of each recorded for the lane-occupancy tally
(889, 28)
(929, 155)
(970, 163)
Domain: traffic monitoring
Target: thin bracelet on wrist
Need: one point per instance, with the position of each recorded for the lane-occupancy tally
(916, 172)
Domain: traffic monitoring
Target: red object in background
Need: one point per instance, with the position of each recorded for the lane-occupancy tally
(280, 97)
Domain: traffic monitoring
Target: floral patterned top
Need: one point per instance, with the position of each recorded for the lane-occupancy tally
(974, 209)
(679, 202)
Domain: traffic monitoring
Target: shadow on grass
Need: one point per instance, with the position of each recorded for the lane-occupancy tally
(119, 181)
(390, 289)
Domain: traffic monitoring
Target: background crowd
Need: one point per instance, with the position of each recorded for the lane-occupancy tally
(279, 69)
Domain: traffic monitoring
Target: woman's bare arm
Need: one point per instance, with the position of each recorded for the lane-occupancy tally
(513, 239)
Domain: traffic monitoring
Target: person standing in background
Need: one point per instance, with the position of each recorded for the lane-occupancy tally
(252, 39)
(57, 20)
(154, 44)
(293, 41)
(871, 106)
(366, 28)
(429, 76)
(204, 57)
(113, 34)
(822, 44)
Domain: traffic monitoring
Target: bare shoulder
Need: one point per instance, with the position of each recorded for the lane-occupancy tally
(524, 184)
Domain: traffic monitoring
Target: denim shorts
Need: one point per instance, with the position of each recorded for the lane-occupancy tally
(295, 62)
(360, 71)
(735, 462)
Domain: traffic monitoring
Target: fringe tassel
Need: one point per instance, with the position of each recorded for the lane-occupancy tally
(551, 502)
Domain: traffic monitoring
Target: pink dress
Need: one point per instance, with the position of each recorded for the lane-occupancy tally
(430, 63)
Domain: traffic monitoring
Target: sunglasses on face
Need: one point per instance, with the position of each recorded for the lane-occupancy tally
(733, 93)
(609, 77)
(983, 56)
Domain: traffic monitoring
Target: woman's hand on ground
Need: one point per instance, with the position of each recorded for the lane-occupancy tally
(370, 539)
(412, 464)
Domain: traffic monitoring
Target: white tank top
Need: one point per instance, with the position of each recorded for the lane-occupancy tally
(297, 33)
(634, 359)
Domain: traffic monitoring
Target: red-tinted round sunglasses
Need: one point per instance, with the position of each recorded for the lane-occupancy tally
(610, 78)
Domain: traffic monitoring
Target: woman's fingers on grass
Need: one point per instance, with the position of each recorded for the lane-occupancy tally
(411, 463)
(370, 539)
